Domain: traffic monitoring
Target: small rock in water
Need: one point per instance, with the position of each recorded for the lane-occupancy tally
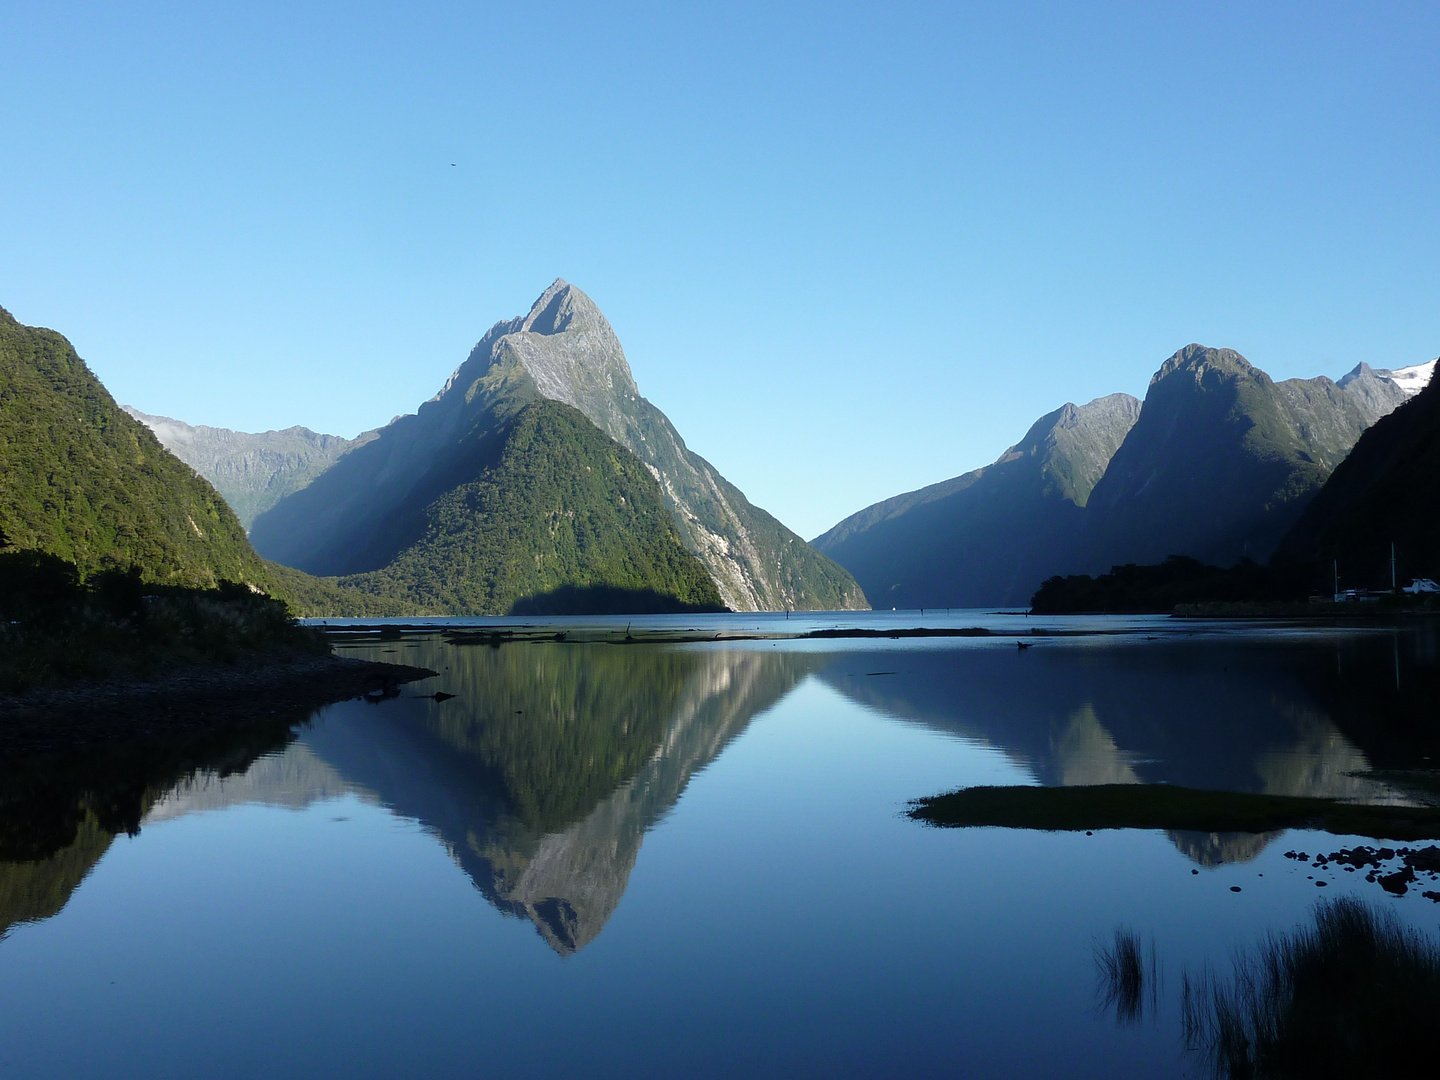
(1321, 884)
(1234, 888)
(1398, 883)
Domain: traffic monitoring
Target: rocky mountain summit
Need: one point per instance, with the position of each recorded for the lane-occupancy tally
(1411, 379)
(1217, 463)
(252, 471)
(368, 507)
(570, 353)
(1223, 459)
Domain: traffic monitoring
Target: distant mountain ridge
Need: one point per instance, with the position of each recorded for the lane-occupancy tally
(363, 511)
(252, 471)
(982, 537)
(1387, 492)
(1217, 463)
(1223, 459)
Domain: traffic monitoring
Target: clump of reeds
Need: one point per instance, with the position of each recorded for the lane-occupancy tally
(1129, 976)
(1355, 994)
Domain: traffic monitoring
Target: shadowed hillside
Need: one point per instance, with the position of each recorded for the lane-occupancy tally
(252, 471)
(989, 536)
(359, 515)
(1387, 491)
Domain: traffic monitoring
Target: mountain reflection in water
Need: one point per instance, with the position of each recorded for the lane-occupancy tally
(544, 771)
(541, 775)
(1279, 716)
(59, 812)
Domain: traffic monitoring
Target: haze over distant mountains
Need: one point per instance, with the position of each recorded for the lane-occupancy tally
(388, 511)
(252, 471)
(985, 536)
(1218, 463)
(81, 480)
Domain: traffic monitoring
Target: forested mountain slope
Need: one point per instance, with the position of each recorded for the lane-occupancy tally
(556, 519)
(82, 480)
(359, 515)
(253, 471)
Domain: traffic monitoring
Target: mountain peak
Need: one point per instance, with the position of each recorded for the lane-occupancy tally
(562, 307)
(1359, 371)
(1195, 359)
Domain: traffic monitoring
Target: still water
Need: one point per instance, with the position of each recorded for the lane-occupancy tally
(688, 858)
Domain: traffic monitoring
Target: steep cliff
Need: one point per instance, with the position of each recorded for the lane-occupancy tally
(253, 471)
(563, 350)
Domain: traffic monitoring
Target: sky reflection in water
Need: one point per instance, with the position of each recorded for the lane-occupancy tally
(646, 860)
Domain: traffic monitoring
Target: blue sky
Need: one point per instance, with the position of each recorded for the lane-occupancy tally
(849, 249)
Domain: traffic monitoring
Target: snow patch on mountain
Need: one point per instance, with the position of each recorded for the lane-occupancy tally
(1411, 379)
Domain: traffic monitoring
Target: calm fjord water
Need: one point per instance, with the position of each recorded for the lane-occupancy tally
(666, 859)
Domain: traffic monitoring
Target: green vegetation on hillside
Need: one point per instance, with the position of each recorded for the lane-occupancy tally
(83, 481)
(557, 506)
(1132, 589)
(56, 629)
(252, 471)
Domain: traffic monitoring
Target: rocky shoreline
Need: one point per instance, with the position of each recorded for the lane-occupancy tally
(191, 698)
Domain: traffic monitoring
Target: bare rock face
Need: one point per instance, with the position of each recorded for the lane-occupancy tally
(567, 349)
(563, 350)
(252, 471)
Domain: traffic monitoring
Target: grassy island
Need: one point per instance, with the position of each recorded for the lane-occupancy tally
(1167, 806)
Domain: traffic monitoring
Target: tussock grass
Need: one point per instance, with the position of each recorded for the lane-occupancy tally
(1129, 976)
(1354, 994)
